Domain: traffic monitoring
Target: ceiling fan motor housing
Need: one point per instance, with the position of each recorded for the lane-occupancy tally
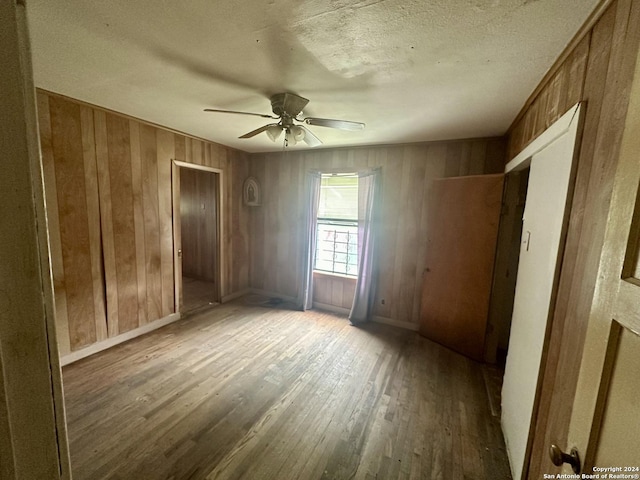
(287, 104)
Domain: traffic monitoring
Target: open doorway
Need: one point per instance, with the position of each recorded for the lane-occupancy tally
(197, 236)
(506, 268)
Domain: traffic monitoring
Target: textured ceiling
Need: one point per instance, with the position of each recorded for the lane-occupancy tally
(412, 70)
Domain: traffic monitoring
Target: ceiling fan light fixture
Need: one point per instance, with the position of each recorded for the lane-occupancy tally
(294, 134)
(298, 133)
(273, 132)
(287, 107)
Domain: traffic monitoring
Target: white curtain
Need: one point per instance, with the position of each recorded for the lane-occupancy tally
(312, 199)
(369, 192)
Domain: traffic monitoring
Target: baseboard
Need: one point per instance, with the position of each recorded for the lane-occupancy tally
(233, 296)
(396, 323)
(286, 298)
(376, 319)
(321, 306)
(331, 308)
(111, 342)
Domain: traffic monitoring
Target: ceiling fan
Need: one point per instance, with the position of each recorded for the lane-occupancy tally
(286, 108)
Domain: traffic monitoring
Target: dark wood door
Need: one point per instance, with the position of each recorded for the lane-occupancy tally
(463, 218)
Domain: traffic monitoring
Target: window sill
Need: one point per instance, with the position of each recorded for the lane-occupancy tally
(319, 273)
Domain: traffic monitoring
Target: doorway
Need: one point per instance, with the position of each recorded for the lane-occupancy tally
(197, 197)
(505, 270)
(550, 160)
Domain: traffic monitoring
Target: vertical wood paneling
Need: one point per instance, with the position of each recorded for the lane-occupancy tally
(562, 90)
(495, 156)
(93, 214)
(336, 293)
(406, 173)
(404, 221)
(124, 232)
(576, 73)
(68, 156)
(227, 263)
(53, 221)
(109, 200)
(257, 222)
(273, 225)
(239, 213)
(106, 222)
(180, 148)
(392, 175)
(166, 152)
(138, 219)
(477, 156)
(151, 215)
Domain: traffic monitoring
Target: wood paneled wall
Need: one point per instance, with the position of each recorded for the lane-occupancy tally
(333, 290)
(598, 70)
(198, 223)
(108, 186)
(276, 225)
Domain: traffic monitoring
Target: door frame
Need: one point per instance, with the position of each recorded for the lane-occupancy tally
(614, 309)
(570, 122)
(176, 165)
(33, 429)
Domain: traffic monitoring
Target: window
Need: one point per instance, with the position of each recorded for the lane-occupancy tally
(337, 229)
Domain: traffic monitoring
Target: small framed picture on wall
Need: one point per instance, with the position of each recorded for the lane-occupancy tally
(251, 192)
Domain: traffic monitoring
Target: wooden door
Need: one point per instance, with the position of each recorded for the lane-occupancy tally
(463, 218)
(197, 222)
(604, 423)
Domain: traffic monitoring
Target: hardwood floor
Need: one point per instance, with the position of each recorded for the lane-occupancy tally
(252, 392)
(197, 294)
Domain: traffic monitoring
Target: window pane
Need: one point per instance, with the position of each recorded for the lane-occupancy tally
(340, 268)
(339, 197)
(341, 247)
(337, 247)
(352, 270)
(337, 234)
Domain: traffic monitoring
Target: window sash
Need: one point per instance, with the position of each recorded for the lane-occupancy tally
(337, 246)
(339, 197)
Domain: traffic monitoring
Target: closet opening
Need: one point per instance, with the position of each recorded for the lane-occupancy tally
(197, 236)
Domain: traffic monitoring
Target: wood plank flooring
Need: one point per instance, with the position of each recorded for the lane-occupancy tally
(197, 294)
(250, 392)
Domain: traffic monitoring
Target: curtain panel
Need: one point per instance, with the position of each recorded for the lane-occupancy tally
(312, 200)
(369, 196)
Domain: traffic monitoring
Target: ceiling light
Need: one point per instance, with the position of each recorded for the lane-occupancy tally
(273, 132)
(294, 134)
(298, 133)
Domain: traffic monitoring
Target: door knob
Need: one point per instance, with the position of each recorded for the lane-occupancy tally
(558, 457)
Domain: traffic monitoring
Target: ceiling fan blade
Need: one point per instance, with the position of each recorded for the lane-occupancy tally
(255, 132)
(339, 124)
(310, 139)
(239, 113)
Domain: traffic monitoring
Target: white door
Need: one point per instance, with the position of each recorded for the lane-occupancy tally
(544, 222)
(605, 421)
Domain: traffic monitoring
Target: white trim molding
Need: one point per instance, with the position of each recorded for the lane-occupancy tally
(331, 308)
(551, 134)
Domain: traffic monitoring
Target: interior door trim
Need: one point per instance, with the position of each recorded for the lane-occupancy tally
(176, 165)
(551, 134)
